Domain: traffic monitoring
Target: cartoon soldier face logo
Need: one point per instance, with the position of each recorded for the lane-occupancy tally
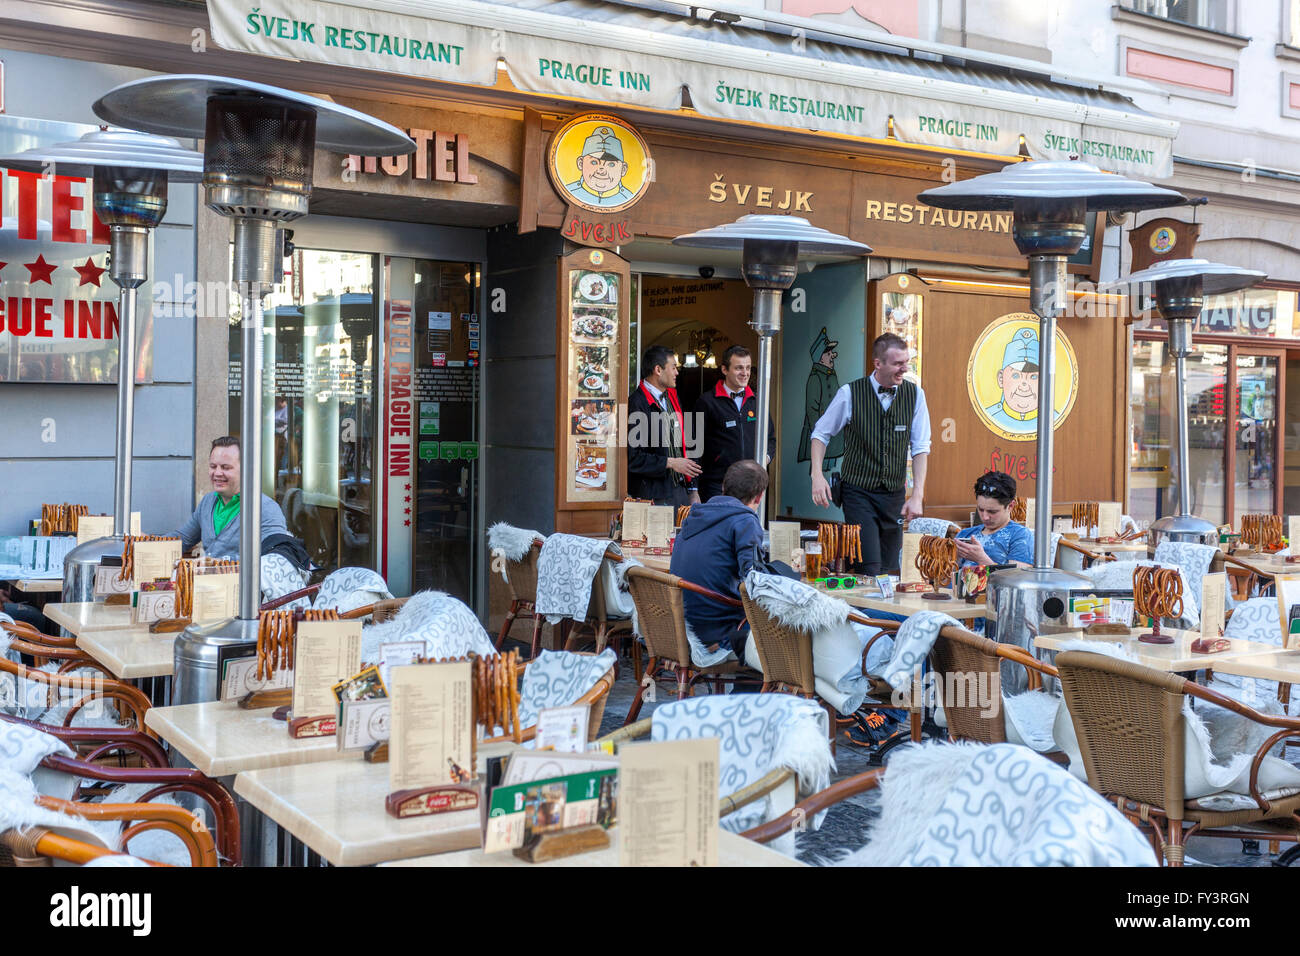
(1003, 377)
(599, 162)
(601, 169)
(1018, 377)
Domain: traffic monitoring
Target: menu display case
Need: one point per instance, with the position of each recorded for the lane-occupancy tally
(591, 346)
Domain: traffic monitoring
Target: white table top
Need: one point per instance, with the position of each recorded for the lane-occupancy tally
(908, 603)
(220, 739)
(733, 850)
(1172, 658)
(337, 809)
(85, 616)
(41, 585)
(1282, 666)
(1102, 547)
(131, 653)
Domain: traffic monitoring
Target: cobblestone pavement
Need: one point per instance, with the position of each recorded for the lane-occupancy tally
(845, 826)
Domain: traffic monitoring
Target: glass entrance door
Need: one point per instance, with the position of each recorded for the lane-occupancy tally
(432, 425)
(317, 410)
(1255, 443)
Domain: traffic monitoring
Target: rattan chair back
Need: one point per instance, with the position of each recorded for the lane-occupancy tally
(521, 576)
(784, 652)
(968, 678)
(660, 614)
(1129, 722)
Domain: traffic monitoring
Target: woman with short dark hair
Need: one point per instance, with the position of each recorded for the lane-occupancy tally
(996, 539)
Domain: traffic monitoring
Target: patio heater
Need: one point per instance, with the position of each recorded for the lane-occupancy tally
(1049, 201)
(1179, 287)
(129, 173)
(259, 149)
(770, 247)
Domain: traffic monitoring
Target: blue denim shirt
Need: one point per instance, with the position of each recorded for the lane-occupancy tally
(1011, 542)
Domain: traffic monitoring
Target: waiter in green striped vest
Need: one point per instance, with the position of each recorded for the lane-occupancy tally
(884, 418)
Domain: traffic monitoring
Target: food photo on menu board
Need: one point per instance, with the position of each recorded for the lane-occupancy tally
(591, 419)
(593, 370)
(596, 288)
(589, 467)
(593, 325)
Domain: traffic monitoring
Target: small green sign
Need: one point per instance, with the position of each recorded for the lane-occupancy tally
(428, 450)
(450, 451)
(469, 450)
(428, 426)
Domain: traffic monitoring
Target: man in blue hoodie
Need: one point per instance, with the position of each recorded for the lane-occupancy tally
(718, 544)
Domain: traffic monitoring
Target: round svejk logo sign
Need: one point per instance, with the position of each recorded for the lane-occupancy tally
(599, 162)
(1162, 240)
(1002, 377)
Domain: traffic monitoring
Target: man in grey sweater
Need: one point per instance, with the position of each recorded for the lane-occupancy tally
(216, 520)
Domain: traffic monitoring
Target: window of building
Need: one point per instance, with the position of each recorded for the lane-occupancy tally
(1207, 14)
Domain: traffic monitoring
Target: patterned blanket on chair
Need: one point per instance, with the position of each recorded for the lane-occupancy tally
(993, 805)
(566, 569)
(757, 733)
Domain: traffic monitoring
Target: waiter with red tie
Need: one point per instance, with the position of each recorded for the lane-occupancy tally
(657, 467)
(730, 414)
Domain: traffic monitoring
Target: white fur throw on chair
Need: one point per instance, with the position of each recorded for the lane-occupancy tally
(510, 543)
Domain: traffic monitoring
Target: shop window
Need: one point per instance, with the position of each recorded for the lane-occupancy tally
(317, 402)
(1152, 466)
(1207, 14)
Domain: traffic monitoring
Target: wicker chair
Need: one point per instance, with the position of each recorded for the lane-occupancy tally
(959, 656)
(603, 629)
(596, 698)
(786, 656)
(731, 802)
(1130, 726)
(129, 700)
(521, 580)
(661, 618)
(837, 792)
(39, 846)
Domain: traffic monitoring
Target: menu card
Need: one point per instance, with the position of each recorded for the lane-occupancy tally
(398, 654)
(325, 652)
(1108, 516)
(1293, 532)
(1031, 513)
(907, 572)
(634, 515)
(1214, 588)
(563, 729)
(154, 560)
(658, 525)
(785, 539)
(214, 597)
(432, 720)
(668, 803)
(90, 527)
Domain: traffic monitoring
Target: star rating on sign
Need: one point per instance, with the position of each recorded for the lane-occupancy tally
(90, 273)
(40, 270)
(407, 522)
(408, 498)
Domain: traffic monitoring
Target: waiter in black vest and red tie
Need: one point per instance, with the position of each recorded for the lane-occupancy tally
(657, 467)
(884, 418)
(730, 414)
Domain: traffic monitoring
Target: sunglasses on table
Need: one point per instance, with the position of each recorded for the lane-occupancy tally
(844, 583)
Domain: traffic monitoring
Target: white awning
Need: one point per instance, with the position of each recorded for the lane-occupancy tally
(635, 59)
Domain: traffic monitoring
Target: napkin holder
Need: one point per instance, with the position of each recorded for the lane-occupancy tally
(427, 801)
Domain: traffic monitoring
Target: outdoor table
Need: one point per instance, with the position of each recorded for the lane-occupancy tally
(40, 585)
(85, 616)
(220, 739)
(907, 603)
(1172, 658)
(1282, 666)
(733, 850)
(1097, 549)
(132, 653)
(336, 809)
(1267, 565)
